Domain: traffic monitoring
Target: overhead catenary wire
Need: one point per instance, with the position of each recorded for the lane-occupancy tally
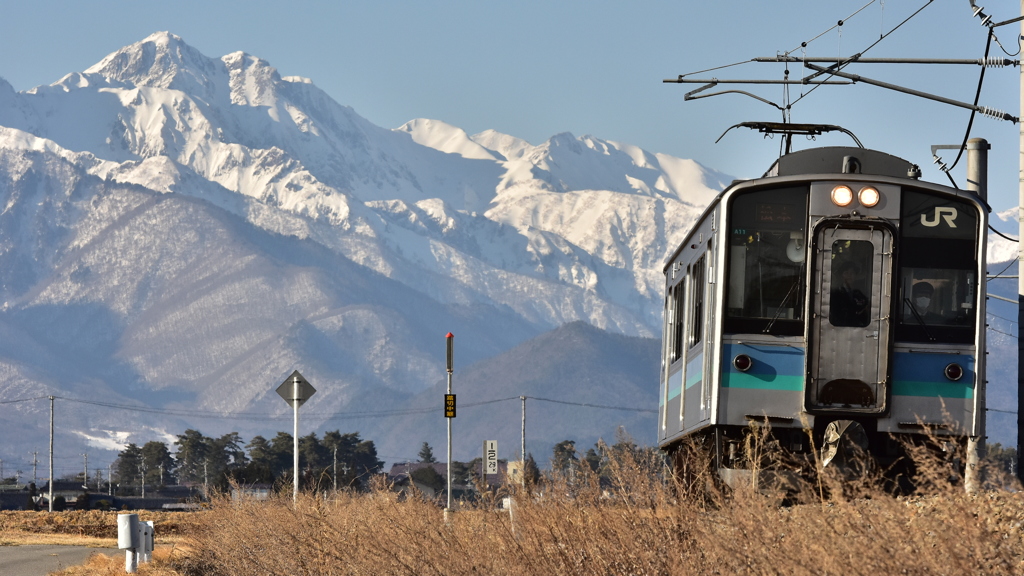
(810, 79)
(836, 25)
(859, 54)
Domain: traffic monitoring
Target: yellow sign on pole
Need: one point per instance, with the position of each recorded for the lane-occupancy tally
(449, 405)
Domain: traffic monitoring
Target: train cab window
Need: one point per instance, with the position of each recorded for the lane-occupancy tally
(766, 276)
(937, 278)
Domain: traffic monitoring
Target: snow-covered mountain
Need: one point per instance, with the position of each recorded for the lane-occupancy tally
(180, 232)
(183, 231)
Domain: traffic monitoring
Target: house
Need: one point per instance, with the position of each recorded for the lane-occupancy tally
(401, 477)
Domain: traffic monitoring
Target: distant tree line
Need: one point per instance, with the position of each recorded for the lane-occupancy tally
(215, 463)
(566, 460)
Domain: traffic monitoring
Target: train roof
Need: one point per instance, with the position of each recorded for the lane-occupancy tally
(834, 160)
(843, 159)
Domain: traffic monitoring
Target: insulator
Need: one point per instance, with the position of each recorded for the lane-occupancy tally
(993, 62)
(992, 113)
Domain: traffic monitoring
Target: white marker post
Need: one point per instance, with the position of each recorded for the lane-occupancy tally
(296, 390)
(128, 540)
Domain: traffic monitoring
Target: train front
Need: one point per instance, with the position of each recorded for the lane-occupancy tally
(845, 298)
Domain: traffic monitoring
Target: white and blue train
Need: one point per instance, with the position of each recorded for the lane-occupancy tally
(838, 296)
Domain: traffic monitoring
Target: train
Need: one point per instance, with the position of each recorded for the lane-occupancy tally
(838, 303)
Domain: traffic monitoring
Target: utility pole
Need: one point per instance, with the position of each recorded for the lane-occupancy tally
(335, 468)
(85, 472)
(110, 484)
(523, 399)
(206, 480)
(51, 455)
(35, 461)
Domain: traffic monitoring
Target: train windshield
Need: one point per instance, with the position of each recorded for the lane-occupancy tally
(938, 269)
(767, 262)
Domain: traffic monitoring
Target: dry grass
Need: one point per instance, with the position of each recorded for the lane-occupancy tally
(641, 525)
(86, 527)
(113, 564)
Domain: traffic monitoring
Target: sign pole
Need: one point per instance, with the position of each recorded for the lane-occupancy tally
(449, 338)
(295, 408)
(295, 390)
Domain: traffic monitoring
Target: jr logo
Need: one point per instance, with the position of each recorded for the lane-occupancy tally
(944, 212)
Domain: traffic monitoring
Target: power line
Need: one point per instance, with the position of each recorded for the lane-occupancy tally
(1001, 318)
(327, 416)
(23, 400)
(1003, 333)
(601, 406)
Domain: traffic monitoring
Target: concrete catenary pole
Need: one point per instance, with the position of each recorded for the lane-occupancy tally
(1020, 277)
(977, 182)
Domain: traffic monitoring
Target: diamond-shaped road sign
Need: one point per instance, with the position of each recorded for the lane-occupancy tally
(287, 389)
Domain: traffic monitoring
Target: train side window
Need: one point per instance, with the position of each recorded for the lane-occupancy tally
(766, 270)
(677, 304)
(697, 290)
(937, 278)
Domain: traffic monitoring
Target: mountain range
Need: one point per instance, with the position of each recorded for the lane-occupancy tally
(178, 233)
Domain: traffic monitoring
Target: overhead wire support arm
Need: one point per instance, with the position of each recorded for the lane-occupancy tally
(713, 81)
(990, 62)
(998, 114)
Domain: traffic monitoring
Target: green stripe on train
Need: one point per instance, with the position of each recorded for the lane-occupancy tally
(932, 389)
(777, 382)
(694, 379)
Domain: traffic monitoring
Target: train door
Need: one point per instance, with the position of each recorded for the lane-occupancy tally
(695, 380)
(848, 360)
(710, 336)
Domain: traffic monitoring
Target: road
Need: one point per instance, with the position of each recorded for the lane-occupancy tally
(41, 560)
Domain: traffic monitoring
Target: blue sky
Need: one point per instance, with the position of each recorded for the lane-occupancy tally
(534, 69)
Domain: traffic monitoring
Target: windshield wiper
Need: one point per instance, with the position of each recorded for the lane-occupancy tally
(778, 311)
(920, 320)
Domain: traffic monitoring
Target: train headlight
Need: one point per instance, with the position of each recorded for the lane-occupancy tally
(742, 362)
(954, 371)
(869, 196)
(842, 195)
